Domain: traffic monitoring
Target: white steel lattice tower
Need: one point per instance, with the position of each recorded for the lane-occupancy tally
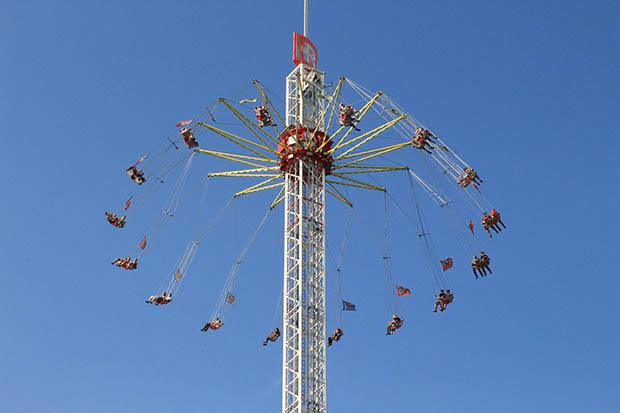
(304, 363)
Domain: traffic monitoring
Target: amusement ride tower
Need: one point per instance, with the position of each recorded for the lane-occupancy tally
(307, 159)
(304, 380)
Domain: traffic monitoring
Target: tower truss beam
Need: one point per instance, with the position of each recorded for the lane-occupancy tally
(304, 379)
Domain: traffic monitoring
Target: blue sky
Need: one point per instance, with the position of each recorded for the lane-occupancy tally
(526, 91)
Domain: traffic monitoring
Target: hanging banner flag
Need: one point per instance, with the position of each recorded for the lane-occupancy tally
(230, 299)
(304, 51)
(402, 291)
(178, 275)
(347, 306)
(242, 101)
(476, 186)
(128, 203)
(447, 263)
(141, 159)
(182, 123)
(143, 243)
(471, 226)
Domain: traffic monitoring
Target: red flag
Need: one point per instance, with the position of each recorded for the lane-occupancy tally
(143, 243)
(471, 226)
(304, 51)
(230, 299)
(447, 263)
(141, 159)
(182, 123)
(128, 203)
(476, 186)
(402, 291)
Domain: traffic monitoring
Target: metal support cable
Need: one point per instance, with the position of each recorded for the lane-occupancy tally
(232, 275)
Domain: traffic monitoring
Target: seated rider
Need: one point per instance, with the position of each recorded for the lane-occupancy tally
(476, 266)
(486, 224)
(440, 301)
(394, 324)
(335, 337)
(131, 265)
(449, 297)
(491, 221)
(485, 262)
(136, 175)
(348, 116)
(263, 116)
(188, 138)
(273, 336)
(119, 262)
(165, 298)
(132, 171)
(126, 263)
(496, 218)
(122, 262)
(162, 299)
(464, 180)
(468, 176)
(428, 135)
(110, 216)
(213, 325)
(118, 222)
(473, 175)
(421, 140)
(152, 299)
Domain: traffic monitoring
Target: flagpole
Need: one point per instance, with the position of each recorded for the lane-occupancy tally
(306, 18)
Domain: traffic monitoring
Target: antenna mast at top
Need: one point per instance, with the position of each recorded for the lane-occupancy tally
(306, 18)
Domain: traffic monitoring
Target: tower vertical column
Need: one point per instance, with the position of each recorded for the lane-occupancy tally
(304, 335)
(292, 307)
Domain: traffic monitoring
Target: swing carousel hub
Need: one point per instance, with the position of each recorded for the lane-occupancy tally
(307, 144)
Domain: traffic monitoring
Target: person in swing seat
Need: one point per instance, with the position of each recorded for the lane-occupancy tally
(335, 337)
(272, 337)
(394, 324)
(213, 325)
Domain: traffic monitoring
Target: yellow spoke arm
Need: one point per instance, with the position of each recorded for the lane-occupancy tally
(369, 135)
(243, 142)
(360, 115)
(371, 169)
(236, 158)
(255, 172)
(368, 105)
(356, 184)
(258, 188)
(334, 102)
(249, 124)
(247, 171)
(226, 174)
(337, 194)
(331, 137)
(279, 198)
(236, 155)
(385, 150)
(267, 101)
(375, 150)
